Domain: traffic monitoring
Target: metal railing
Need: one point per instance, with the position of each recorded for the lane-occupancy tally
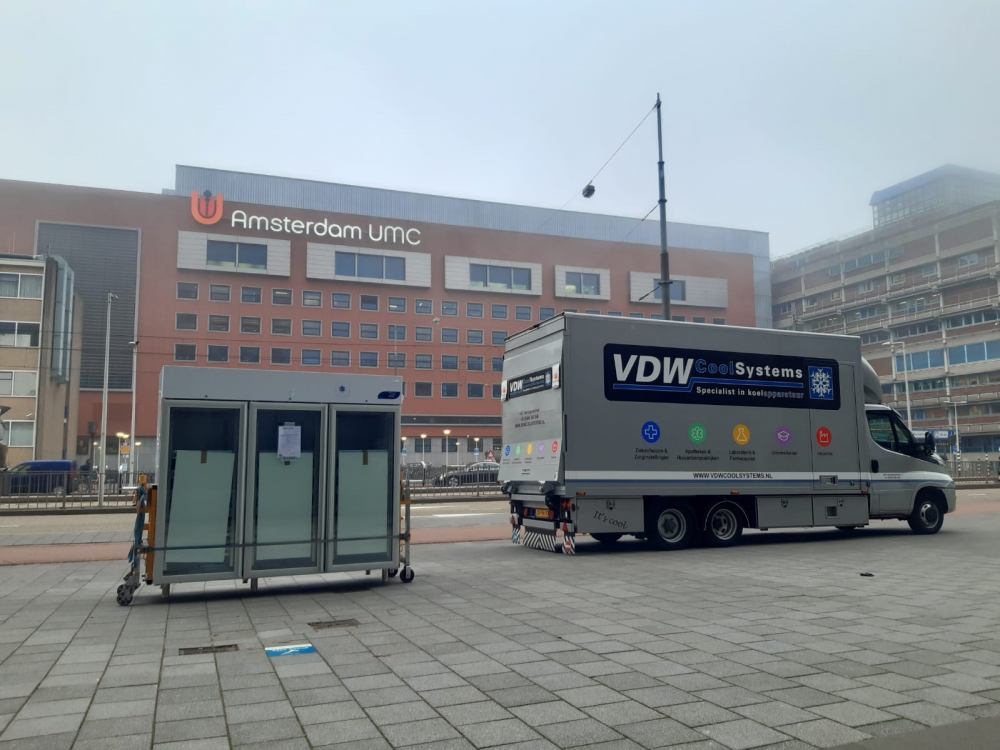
(974, 469)
(427, 481)
(66, 489)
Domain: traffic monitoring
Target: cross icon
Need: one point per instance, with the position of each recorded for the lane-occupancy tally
(651, 432)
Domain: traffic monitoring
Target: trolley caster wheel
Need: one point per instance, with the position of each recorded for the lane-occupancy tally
(393, 573)
(406, 575)
(165, 590)
(124, 596)
(253, 585)
(385, 575)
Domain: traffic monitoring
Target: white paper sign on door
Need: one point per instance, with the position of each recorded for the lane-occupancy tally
(289, 441)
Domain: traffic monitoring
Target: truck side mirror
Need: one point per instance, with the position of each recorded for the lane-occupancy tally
(929, 443)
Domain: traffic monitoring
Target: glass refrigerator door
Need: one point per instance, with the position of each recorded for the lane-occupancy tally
(201, 537)
(284, 477)
(365, 487)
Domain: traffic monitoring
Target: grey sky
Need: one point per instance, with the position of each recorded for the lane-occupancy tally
(779, 116)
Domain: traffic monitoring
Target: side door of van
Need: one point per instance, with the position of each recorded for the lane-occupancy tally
(891, 449)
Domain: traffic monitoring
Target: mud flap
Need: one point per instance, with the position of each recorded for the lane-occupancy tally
(536, 539)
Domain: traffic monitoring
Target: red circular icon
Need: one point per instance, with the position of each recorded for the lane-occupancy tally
(824, 437)
(555, 446)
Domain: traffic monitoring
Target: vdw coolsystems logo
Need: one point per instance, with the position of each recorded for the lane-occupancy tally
(206, 208)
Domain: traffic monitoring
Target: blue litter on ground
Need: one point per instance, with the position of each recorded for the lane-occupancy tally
(302, 648)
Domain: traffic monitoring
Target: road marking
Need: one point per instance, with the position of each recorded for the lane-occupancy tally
(463, 515)
(15, 526)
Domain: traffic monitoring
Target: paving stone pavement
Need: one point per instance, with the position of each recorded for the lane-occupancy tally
(776, 644)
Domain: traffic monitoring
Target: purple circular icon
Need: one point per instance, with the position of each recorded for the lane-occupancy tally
(784, 435)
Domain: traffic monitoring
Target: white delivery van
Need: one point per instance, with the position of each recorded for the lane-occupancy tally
(676, 432)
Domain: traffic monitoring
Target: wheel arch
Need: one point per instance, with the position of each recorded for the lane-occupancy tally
(931, 490)
(741, 504)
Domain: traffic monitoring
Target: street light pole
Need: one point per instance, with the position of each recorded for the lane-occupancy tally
(104, 405)
(132, 444)
(906, 376)
(664, 256)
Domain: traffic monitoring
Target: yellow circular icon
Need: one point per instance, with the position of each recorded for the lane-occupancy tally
(530, 445)
(741, 434)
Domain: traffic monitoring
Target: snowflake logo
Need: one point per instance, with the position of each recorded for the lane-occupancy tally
(821, 383)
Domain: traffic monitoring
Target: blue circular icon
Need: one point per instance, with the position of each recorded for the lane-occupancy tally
(651, 432)
(506, 451)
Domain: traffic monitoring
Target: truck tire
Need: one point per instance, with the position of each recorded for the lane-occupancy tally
(670, 526)
(723, 525)
(927, 515)
(607, 538)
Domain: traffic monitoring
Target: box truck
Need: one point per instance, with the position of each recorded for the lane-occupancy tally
(679, 432)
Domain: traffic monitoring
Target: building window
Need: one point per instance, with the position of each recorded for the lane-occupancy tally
(311, 357)
(544, 313)
(341, 301)
(244, 256)
(614, 314)
(281, 356)
(18, 383)
(474, 309)
(658, 316)
(340, 358)
(866, 286)
(218, 323)
(927, 360)
(583, 283)
(249, 325)
(499, 338)
(423, 306)
(369, 302)
(250, 355)
(281, 326)
(281, 296)
(187, 290)
(718, 321)
(474, 336)
(496, 390)
(312, 328)
(497, 364)
(499, 312)
(369, 330)
(636, 315)
(677, 318)
(363, 266)
(474, 364)
(966, 261)
(369, 359)
(251, 294)
(423, 333)
(449, 335)
(341, 329)
(450, 445)
(397, 333)
(895, 252)
(499, 278)
(217, 353)
(592, 312)
(397, 360)
(697, 319)
(422, 445)
(522, 312)
(185, 352)
(928, 270)
(19, 334)
(219, 292)
(448, 390)
(397, 304)
(185, 322)
(423, 390)
(449, 308)
(20, 434)
(678, 290)
(449, 361)
(474, 390)
(312, 299)
(423, 361)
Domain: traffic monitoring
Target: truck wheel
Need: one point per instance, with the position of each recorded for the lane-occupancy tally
(927, 515)
(723, 527)
(607, 538)
(670, 526)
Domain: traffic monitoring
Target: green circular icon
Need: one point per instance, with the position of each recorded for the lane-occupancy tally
(517, 451)
(697, 434)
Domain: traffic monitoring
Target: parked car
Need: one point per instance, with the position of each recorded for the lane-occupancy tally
(42, 478)
(485, 472)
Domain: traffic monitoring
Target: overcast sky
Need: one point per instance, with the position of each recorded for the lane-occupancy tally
(779, 116)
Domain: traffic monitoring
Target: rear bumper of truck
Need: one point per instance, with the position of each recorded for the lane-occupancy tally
(555, 534)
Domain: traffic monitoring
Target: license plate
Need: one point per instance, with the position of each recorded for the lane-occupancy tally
(544, 514)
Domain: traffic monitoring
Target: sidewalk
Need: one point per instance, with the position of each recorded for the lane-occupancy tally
(778, 644)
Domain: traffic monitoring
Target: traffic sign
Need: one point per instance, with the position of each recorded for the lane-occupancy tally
(490, 456)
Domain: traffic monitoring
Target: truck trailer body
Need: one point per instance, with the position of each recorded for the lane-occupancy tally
(680, 431)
